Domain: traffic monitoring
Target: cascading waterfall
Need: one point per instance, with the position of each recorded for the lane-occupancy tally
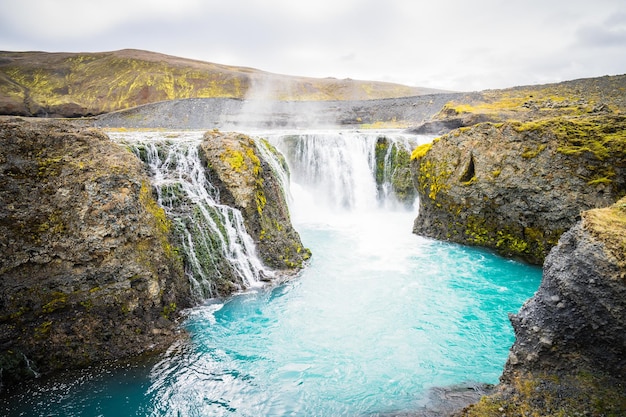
(213, 235)
(349, 170)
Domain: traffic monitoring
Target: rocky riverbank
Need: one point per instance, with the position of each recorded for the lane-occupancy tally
(88, 271)
(568, 356)
(92, 267)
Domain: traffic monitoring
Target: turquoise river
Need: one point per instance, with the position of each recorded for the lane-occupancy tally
(377, 320)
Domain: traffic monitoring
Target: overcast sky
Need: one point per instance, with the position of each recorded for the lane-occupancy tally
(450, 44)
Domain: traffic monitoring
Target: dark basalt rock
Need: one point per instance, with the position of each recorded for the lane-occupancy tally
(570, 349)
(517, 187)
(87, 271)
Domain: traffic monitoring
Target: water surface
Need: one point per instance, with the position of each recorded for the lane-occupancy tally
(378, 317)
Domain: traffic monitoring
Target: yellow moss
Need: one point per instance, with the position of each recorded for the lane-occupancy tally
(420, 151)
(235, 159)
(602, 136)
(433, 178)
(533, 152)
(162, 223)
(58, 301)
(549, 395)
(609, 226)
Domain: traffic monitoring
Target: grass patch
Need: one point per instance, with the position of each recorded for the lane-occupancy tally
(609, 226)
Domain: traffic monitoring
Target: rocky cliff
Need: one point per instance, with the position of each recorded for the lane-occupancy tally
(516, 187)
(247, 182)
(91, 267)
(569, 356)
(87, 270)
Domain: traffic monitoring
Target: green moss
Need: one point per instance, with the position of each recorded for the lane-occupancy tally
(380, 154)
(549, 395)
(600, 136)
(43, 330)
(168, 310)
(58, 302)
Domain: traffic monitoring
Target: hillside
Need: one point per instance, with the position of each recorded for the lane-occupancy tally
(80, 84)
(574, 98)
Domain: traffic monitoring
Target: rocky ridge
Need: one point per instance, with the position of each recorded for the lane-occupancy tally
(61, 84)
(574, 98)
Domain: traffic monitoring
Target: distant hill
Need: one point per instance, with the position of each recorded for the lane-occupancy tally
(81, 84)
(575, 98)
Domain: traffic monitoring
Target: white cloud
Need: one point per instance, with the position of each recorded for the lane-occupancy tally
(65, 19)
(454, 44)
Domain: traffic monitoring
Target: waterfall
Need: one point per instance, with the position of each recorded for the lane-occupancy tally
(350, 170)
(217, 248)
(332, 171)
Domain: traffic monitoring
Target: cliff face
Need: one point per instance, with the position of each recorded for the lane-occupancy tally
(516, 187)
(248, 183)
(87, 271)
(569, 354)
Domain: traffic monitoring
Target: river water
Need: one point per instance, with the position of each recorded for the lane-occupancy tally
(378, 318)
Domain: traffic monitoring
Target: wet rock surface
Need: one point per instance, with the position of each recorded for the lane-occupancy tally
(248, 183)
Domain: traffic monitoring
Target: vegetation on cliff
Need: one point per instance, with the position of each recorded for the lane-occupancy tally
(495, 185)
(80, 84)
(591, 96)
(247, 182)
(393, 167)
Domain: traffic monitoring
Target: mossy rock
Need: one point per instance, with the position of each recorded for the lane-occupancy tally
(247, 182)
(516, 187)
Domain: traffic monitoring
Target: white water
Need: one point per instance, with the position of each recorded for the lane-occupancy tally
(333, 172)
(207, 226)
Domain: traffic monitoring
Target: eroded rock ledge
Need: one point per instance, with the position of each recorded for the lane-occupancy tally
(247, 182)
(87, 270)
(569, 357)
